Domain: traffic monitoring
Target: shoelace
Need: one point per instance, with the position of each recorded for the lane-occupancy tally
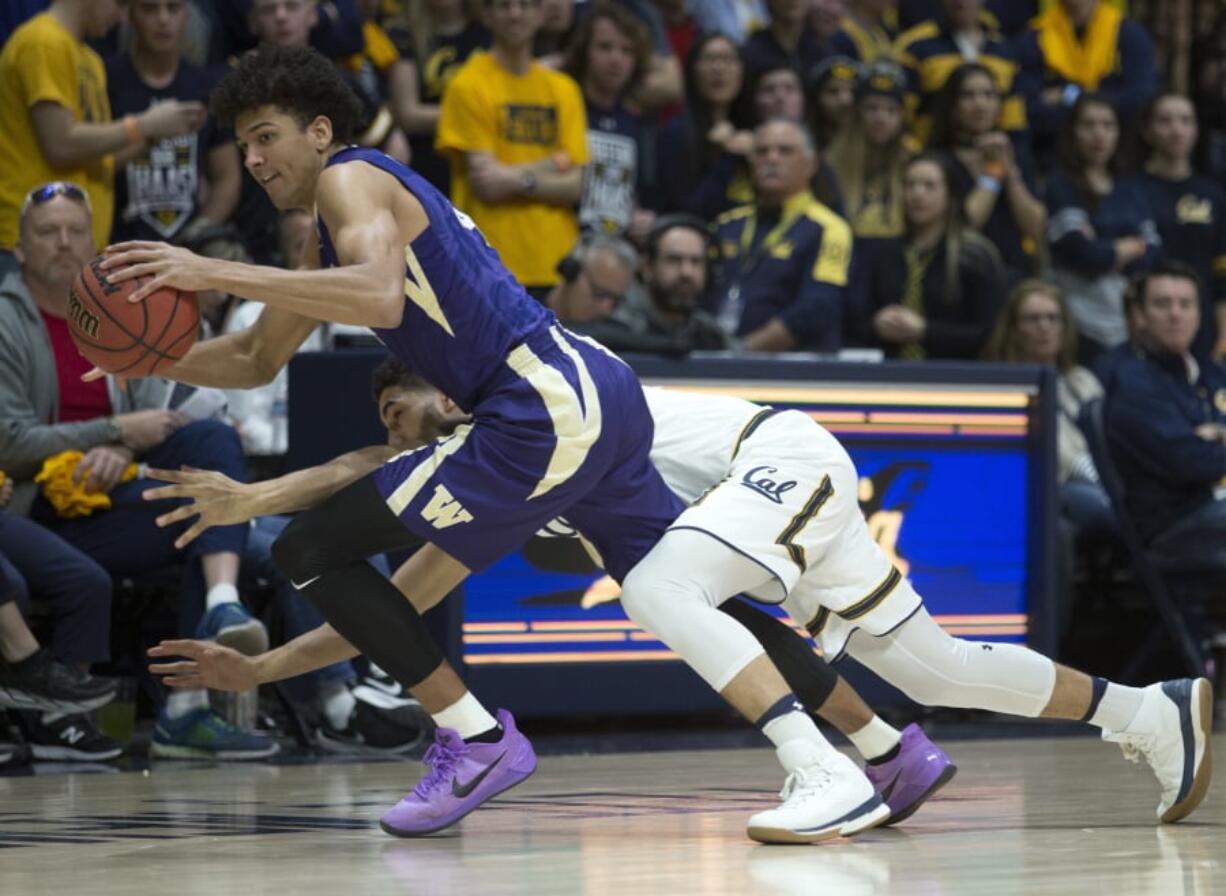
(441, 761)
(807, 781)
(1137, 746)
(1143, 746)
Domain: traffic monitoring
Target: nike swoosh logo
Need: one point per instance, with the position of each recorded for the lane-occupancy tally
(460, 791)
(300, 586)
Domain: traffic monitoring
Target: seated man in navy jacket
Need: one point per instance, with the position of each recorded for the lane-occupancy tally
(784, 260)
(1166, 422)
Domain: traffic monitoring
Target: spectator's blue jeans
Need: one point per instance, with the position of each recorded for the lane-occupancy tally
(126, 540)
(36, 562)
(299, 614)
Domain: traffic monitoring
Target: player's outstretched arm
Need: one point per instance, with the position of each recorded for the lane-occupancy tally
(217, 500)
(206, 664)
(366, 290)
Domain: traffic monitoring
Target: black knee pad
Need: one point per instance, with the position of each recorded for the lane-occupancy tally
(298, 551)
(807, 674)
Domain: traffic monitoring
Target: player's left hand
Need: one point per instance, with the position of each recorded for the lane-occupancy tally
(167, 265)
(206, 665)
(213, 497)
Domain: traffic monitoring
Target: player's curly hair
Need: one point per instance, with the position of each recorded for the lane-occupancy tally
(296, 80)
(392, 371)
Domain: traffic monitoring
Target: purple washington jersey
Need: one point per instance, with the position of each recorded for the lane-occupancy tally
(463, 311)
(560, 426)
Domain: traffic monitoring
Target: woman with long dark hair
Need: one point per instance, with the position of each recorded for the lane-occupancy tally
(702, 153)
(1035, 327)
(992, 168)
(933, 292)
(1189, 209)
(1100, 226)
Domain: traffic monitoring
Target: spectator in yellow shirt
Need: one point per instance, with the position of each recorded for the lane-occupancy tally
(57, 118)
(516, 133)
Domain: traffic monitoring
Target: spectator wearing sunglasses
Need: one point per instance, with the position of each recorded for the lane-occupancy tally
(57, 118)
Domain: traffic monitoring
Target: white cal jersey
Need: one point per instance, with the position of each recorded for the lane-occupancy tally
(695, 437)
(784, 493)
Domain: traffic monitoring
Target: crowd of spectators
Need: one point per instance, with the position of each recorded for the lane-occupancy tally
(923, 179)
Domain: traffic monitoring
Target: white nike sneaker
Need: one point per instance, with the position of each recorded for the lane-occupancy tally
(1173, 730)
(826, 796)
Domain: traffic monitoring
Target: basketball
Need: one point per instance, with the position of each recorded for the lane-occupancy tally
(130, 338)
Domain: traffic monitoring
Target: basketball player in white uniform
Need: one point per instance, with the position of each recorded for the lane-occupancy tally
(774, 513)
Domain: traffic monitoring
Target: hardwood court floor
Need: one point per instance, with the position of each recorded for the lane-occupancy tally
(1054, 816)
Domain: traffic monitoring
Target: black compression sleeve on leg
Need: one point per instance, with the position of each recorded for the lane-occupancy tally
(807, 674)
(373, 616)
(324, 550)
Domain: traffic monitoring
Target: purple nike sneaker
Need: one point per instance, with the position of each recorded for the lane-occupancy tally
(460, 777)
(920, 769)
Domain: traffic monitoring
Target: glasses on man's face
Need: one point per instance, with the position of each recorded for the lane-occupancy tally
(47, 192)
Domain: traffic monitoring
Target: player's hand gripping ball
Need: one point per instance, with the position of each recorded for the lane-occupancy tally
(130, 338)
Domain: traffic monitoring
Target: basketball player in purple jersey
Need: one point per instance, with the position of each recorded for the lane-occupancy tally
(559, 427)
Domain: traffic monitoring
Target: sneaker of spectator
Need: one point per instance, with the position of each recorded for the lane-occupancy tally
(377, 721)
(61, 737)
(231, 625)
(202, 734)
(42, 682)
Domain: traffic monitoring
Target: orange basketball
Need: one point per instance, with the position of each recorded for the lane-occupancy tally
(130, 338)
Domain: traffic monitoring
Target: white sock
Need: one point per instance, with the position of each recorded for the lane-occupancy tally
(224, 593)
(875, 739)
(1118, 707)
(791, 728)
(181, 703)
(338, 706)
(466, 716)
